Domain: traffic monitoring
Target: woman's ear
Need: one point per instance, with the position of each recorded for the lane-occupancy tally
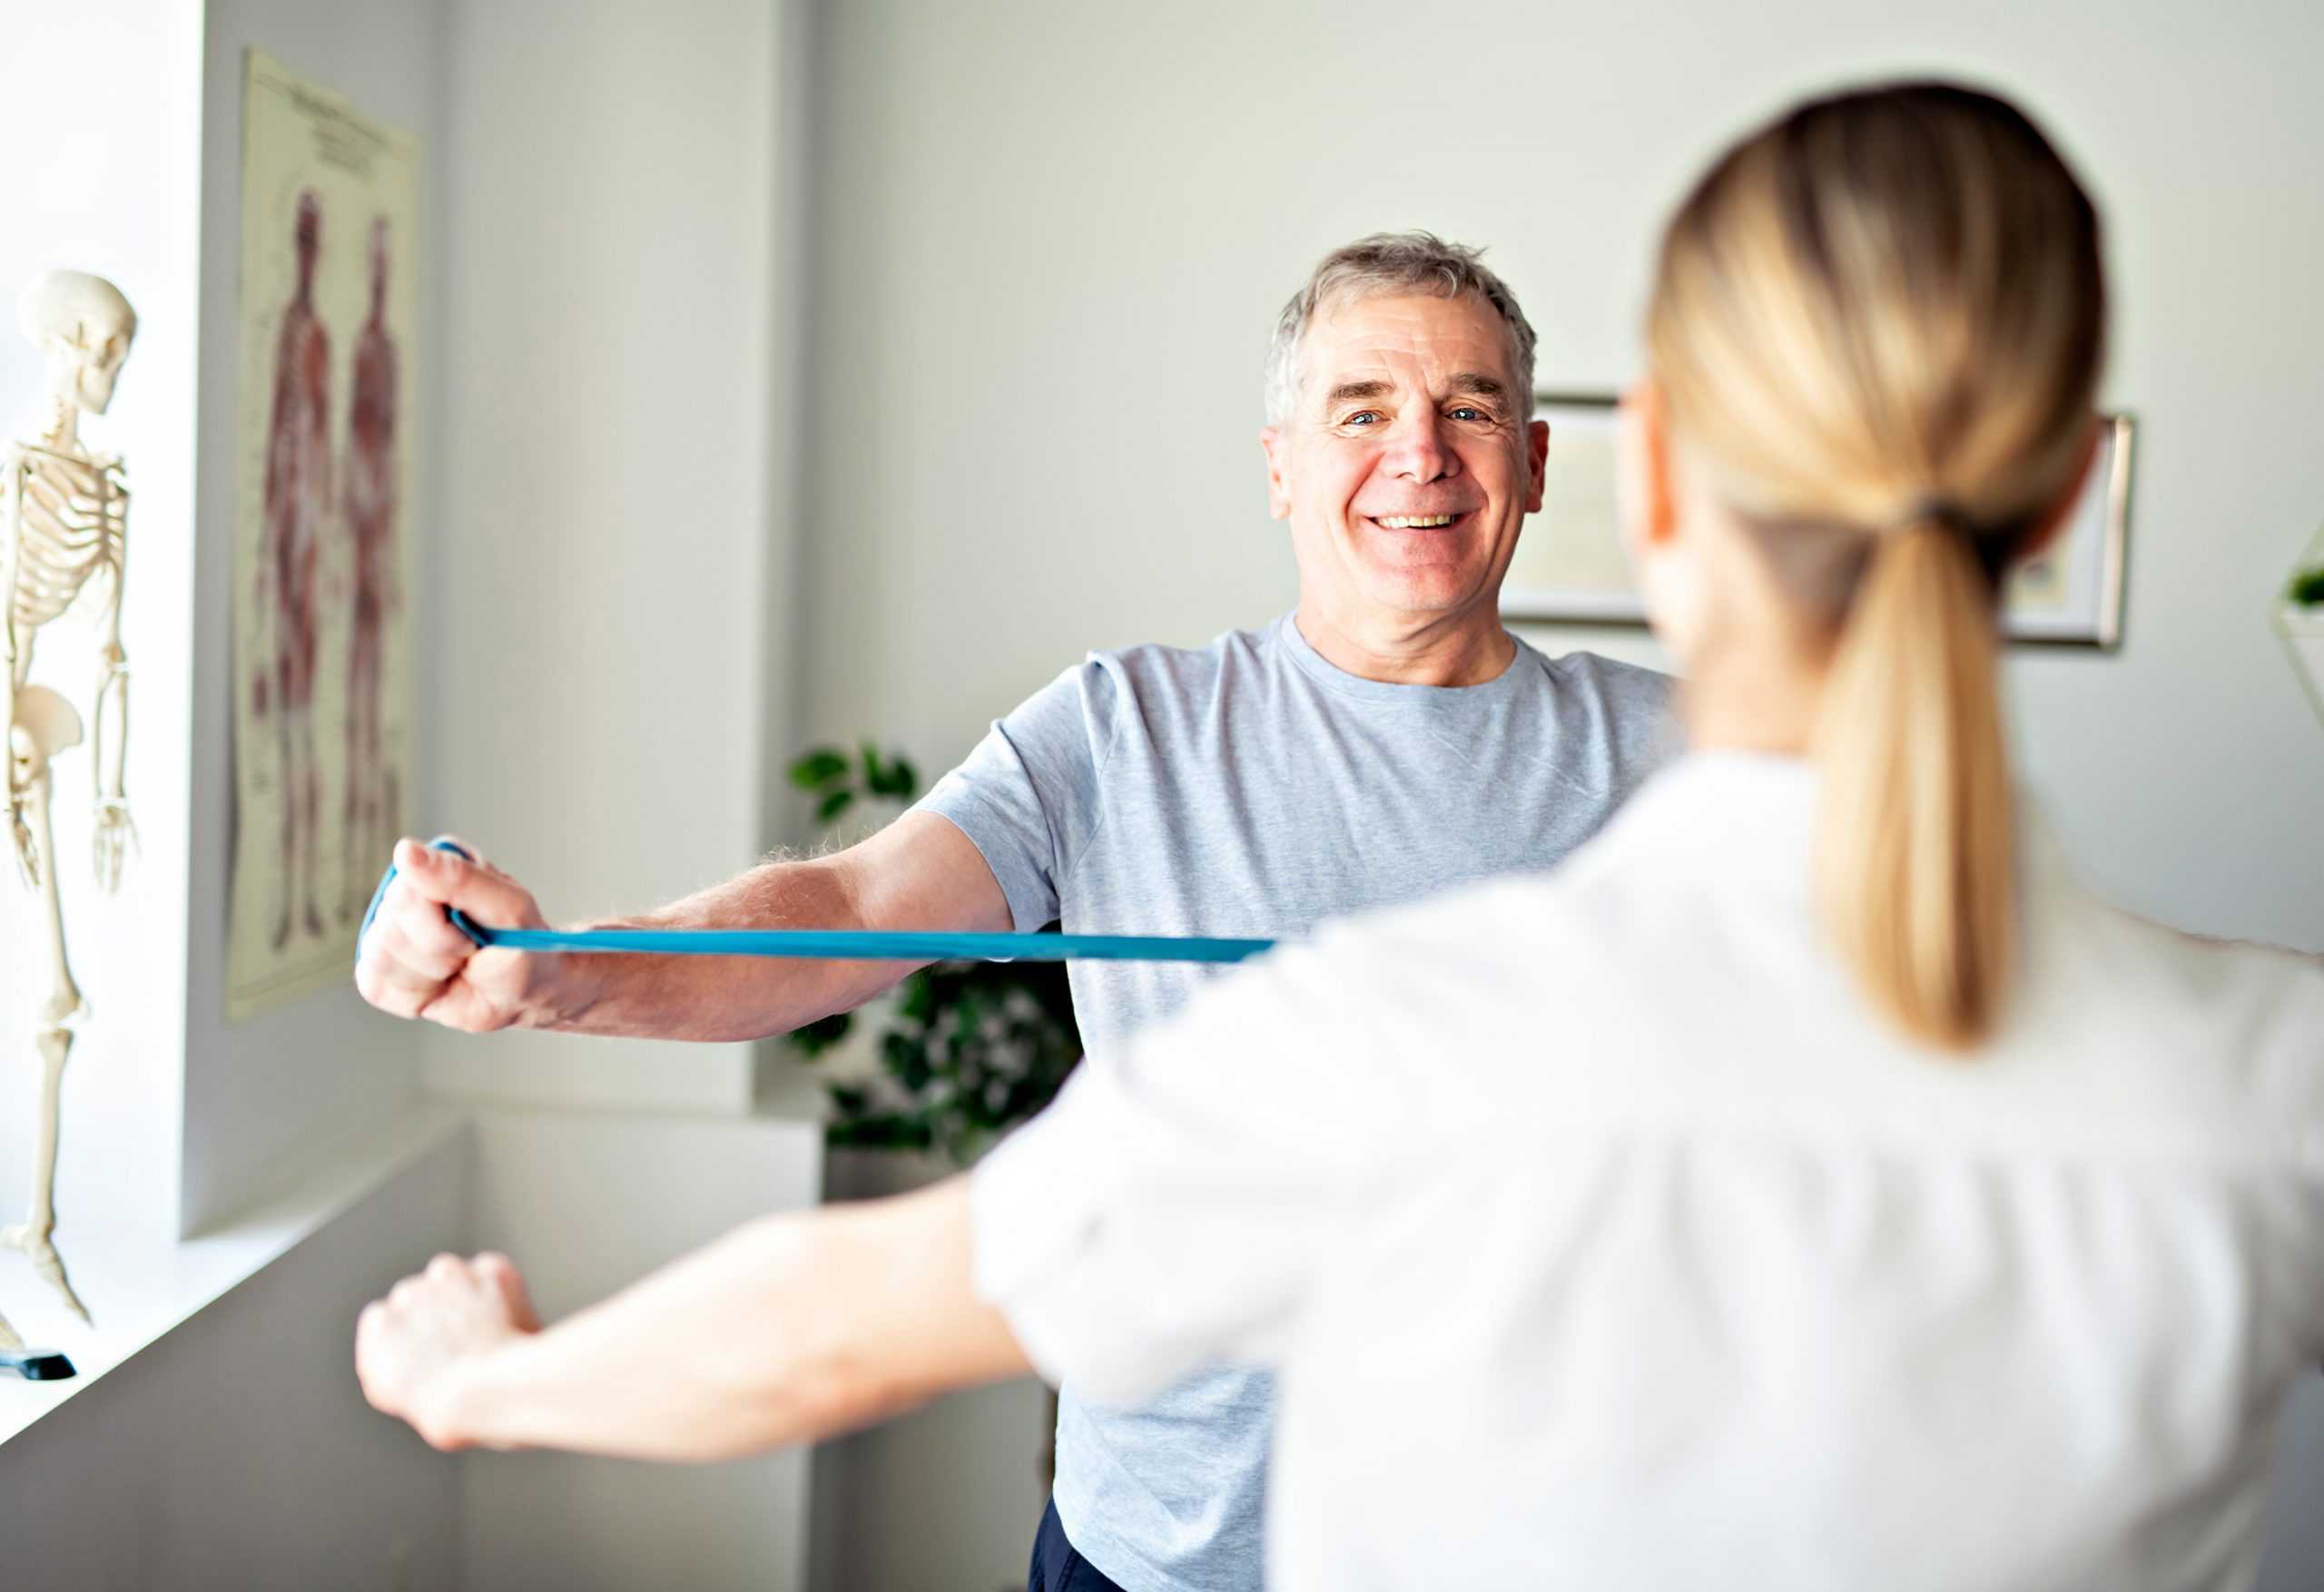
(1648, 507)
(1663, 560)
(2053, 518)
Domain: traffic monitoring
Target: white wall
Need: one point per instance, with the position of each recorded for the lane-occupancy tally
(113, 191)
(124, 1485)
(590, 1202)
(1054, 238)
(599, 339)
(238, 1454)
(264, 1099)
(611, 681)
(607, 656)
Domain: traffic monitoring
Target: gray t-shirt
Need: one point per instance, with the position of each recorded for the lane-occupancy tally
(1252, 788)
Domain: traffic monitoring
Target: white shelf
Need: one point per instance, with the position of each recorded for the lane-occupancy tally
(176, 1281)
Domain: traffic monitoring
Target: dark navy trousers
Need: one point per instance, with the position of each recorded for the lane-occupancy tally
(1057, 1567)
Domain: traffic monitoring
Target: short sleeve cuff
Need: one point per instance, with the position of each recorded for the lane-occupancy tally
(993, 831)
(1036, 1207)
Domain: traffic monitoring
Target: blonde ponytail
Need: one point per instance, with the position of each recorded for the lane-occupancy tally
(1877, 326)
(1915, 843)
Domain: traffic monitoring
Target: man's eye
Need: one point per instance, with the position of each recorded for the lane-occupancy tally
(1362, 416)
(1468, 412)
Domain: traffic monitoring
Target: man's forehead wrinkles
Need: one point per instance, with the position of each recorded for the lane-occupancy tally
(1439, 365)
(1359, 385)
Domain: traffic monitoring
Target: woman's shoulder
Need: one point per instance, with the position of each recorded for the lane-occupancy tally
(2239, 1020)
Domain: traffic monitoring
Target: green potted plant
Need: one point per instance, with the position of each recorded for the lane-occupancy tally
(964, 1050)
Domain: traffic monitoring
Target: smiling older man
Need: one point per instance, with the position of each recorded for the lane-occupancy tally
(1384, 741)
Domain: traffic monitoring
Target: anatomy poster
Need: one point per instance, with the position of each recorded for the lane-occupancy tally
(326, 433)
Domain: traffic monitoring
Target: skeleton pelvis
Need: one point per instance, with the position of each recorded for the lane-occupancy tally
(46, 725)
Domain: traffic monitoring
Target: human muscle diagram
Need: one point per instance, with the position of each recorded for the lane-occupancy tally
(321, 682)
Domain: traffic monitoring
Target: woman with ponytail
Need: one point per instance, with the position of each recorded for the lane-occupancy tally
(1877, 329)
(1805, 1188)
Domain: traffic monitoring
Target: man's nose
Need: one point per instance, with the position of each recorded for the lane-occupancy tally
(1419, 449)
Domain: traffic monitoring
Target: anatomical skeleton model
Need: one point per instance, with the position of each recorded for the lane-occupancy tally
(63, 539)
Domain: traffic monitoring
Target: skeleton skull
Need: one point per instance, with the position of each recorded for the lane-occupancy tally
(84, 327)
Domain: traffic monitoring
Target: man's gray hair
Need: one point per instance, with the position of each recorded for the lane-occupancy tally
(1394, 263)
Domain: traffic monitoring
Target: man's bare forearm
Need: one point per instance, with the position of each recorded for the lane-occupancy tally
(721, 998)
(921, 872)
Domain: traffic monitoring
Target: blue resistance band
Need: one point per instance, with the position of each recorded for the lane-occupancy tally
(841, 944)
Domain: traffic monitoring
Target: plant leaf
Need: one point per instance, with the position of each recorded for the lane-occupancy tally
(893, 777)
(818, 768)
(813, 1039)
(832, 805)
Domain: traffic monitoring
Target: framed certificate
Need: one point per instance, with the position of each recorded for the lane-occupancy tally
(1570, 567)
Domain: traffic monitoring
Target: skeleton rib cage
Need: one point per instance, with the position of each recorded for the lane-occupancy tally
(74, 520)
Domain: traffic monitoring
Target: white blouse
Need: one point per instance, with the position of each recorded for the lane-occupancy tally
(1604, 1239)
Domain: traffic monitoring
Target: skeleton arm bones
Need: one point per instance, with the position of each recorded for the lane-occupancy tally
(12, 645)
(116, 833)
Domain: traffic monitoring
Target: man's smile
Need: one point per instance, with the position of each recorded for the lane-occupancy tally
(1418, 522)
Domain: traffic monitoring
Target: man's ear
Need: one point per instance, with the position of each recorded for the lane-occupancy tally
(1279, 452)
(2053, 518)
(1648, 504)
(1537, 462)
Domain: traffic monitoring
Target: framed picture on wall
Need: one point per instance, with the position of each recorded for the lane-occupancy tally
(1570, 567)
